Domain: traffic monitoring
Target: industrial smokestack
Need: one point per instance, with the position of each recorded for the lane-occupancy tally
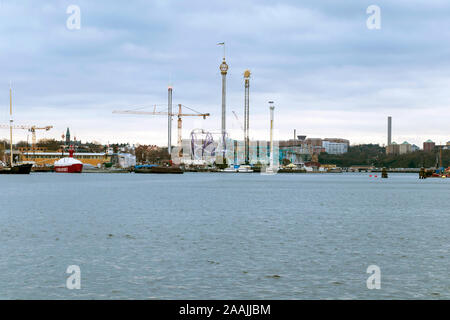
(389, 131)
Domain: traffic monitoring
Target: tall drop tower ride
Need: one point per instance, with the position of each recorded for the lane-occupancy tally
(247, 115)
(223, 71)
(271, 108)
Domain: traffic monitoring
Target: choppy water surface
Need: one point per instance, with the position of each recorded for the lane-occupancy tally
(224, 236)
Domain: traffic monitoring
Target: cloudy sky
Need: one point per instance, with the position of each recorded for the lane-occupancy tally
(329, 75)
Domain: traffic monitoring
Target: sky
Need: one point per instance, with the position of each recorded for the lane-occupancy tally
(327, 72)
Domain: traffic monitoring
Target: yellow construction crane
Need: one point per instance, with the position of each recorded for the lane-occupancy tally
(180, 114)
(31, 129)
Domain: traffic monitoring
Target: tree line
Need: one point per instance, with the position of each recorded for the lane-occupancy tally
(375, 155)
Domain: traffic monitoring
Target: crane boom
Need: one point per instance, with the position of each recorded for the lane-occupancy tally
(240, 124)
(157, 113)
(178, 114)
(31, 129)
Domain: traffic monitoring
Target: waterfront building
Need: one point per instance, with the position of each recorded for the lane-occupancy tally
(49, 158)
(123, 160)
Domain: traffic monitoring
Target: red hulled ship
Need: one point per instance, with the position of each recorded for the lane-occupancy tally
(69, 164)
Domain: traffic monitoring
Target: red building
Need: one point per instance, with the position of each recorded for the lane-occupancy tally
(428, 146)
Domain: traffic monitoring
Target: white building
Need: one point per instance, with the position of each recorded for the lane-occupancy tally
(405, 147)
(126, 160)
(332, 147)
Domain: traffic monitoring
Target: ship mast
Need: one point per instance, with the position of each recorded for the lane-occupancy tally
(10, 124)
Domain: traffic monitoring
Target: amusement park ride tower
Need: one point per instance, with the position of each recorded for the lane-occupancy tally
(272, 108)
(223, 71)
(247, 116)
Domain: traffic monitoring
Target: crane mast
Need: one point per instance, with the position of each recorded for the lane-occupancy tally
(11, 122)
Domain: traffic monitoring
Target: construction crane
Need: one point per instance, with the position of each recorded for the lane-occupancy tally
(180, 114)
(239, 121)
(31, 129)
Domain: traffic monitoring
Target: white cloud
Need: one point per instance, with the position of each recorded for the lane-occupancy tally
(328, 74)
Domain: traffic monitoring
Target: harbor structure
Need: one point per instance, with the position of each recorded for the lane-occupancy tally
(247, 115)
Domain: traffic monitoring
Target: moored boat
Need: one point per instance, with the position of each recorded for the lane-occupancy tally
(43, 169)
(17, 169)
(245, 169)
(157, 169)
(68, 164)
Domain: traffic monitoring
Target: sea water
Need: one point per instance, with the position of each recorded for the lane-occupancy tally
(224, 236)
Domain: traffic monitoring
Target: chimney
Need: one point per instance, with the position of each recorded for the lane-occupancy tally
(389, 131)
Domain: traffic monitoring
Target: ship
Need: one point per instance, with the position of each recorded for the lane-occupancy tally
(68, 164)
(245, 169)
(18, 168)
(24, 168)
(150, 168)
